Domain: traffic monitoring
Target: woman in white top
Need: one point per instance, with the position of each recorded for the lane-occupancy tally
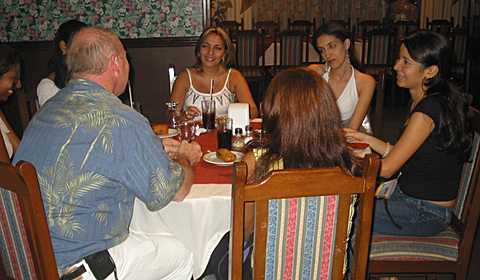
(353, 89)
(57, 67)
(215, 53)
(9, 81)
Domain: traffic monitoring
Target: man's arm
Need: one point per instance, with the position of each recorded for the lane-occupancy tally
(188, 155)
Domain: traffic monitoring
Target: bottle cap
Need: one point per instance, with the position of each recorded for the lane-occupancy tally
(238, 130)
(248, 127)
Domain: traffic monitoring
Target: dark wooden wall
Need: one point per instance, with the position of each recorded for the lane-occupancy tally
(149, 59)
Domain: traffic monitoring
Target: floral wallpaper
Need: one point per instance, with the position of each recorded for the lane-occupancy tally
(38, 20)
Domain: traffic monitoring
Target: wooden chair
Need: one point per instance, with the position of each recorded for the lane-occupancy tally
(267, 28)
(26, 247)
(377, 51)
(459, 45)
(231, 26)
(376, 112)
(305, 26)
(367, 25)
(441, 26)
(446, 252)
(27, 106)
(249, 49)
(314, 204)
(403, 27)
(171, 75)
(291, 50)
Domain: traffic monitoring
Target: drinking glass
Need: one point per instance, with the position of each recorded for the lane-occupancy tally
(186, 130)
(224, 132)
(208, 115)
(172, 115)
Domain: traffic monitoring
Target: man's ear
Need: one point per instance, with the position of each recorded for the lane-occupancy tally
(114, 62)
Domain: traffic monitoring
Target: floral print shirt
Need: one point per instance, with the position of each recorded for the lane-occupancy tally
(93, 156)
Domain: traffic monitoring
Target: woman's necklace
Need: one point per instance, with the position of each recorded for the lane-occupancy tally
(210, 80)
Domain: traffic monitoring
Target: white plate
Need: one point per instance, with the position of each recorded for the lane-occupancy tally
(212, 158)
(171, 132)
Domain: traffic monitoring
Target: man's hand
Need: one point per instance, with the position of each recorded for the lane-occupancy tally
(190, 151)
(171, 147)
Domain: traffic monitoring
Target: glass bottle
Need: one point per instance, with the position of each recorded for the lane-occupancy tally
(172, 114)
(237, 144)
(248, 134)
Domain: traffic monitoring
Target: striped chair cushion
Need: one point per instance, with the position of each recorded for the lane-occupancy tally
(378, 51)
(443, 246)
(251, 72)
(14, 245)
(247, 51)
(291, 53)
(301, 238)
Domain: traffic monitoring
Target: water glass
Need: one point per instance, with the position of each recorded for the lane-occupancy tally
(208, 115)
(224, 132)
(186, 130)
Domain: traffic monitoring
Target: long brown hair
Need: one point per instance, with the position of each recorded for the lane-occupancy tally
(302, 124)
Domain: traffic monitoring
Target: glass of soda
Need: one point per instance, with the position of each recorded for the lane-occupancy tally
(208, 114)
(224, 132)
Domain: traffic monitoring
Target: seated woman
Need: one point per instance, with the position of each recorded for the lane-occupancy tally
(302, 130)
(57, 67)
(434, 143)
(215, 54)
(353, 89)
(9, 81)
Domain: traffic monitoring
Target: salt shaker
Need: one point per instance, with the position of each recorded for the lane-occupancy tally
(248, 134)
(238, 144)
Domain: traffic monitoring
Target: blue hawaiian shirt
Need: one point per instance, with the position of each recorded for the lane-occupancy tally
(93, 156)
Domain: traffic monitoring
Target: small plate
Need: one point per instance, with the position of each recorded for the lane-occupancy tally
(212, 158)
(171, 132)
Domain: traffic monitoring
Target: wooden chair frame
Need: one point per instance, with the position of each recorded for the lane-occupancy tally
(279, 66)
(304, 25)
(367, 25)
(377, 116)
(267, 27)
(303, 183)
(22, 180)
(438, 24)
(465, 227)
(366, 59)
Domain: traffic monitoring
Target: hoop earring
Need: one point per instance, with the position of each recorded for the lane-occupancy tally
(423, 84)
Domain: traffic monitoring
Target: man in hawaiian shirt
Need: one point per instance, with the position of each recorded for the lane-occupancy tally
(94, 156)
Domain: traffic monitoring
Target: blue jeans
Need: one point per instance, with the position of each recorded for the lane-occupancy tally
(416, 217)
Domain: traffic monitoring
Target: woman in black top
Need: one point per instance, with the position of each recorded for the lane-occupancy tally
(434, 143)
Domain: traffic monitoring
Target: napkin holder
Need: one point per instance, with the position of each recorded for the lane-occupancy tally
(239, 112)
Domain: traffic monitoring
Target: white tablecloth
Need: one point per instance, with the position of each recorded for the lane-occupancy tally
(199, 221)
(270, 54)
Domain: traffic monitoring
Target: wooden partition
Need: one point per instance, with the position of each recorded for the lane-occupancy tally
(149, 59)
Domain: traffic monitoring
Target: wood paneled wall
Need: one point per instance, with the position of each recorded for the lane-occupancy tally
(149, 59)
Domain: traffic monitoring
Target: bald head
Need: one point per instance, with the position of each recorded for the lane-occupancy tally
(90, 51)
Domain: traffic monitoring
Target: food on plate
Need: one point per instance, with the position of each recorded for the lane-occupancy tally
(226, 155)
(160, 128)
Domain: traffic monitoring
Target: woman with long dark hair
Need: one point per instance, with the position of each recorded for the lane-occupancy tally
(353, 89)
(434, 143)
(57, 67)
(9, 81)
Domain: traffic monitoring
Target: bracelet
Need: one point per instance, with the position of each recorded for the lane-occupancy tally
(387, 151)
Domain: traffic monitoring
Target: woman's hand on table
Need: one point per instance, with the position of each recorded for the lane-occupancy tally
(171, 147)
(191, 112)
(354, 136)
(190, 151)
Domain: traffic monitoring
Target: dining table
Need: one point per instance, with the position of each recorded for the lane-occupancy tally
(203, 217)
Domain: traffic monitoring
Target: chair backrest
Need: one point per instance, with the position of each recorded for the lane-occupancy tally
(301, 221)
(379, 52)
(249, 49)
(291, 48)
(26, 247)
(367, 25)
(459, 45)
(267, 27)
(231, 26)
(347, 24)
(441, 26)
(305, 26)
(403, 27)
(376, 117)
(27, 106)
